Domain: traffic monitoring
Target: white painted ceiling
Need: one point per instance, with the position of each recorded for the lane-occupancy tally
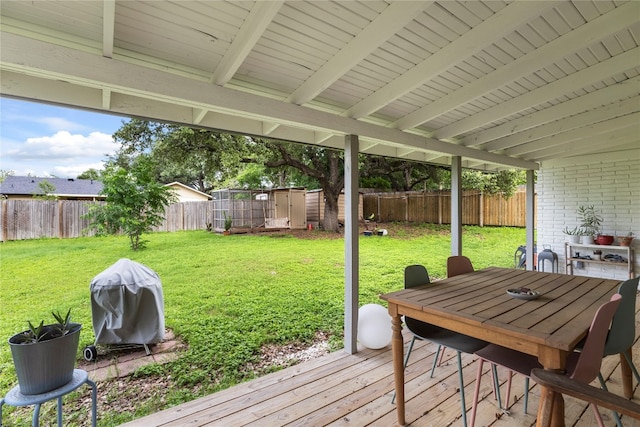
(500, 83)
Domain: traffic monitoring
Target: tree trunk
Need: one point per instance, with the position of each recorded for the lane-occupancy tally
(330, 222)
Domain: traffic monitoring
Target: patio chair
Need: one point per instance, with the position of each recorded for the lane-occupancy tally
(622, 333)
(583, 367)
(458, 264)
(416, 275)
(560, 383)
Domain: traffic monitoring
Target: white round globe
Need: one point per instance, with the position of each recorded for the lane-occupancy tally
(374, 326)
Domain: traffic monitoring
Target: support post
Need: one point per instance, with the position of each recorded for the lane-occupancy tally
(530, 219)
(456, 205)
(351, 248)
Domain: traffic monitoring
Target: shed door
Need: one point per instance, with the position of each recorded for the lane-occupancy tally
(282, 204)
(298, 209)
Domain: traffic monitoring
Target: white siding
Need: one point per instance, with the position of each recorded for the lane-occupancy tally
(611, 183)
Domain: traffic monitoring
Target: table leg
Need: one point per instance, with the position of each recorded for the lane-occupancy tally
(550, 409)
(398, 365)
(551, 406)
(627, 377)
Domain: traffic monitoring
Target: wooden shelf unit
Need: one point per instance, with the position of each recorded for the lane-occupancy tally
(624, 251)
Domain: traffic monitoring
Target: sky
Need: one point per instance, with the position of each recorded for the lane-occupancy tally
(49, 141)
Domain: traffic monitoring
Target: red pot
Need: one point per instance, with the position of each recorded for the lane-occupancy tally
(604, 240)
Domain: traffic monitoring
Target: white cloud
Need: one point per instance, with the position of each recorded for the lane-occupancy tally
(59, 124)
(64, 145)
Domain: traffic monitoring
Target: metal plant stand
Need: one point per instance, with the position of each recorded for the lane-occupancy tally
(80, 377)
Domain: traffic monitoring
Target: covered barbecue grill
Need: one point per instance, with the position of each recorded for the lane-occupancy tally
(127, 306)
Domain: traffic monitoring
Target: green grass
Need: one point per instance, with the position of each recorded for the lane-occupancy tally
(225, 296)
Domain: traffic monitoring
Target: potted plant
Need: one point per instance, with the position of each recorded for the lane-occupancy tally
(590, 222)
(573, 234)
(228, 222)
(626, 240)
(44, 356)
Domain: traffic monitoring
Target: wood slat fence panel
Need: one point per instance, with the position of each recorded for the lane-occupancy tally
(35, 219)
(435, 207)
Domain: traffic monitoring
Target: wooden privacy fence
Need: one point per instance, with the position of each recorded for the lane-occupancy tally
(435, 207)
(35, 219)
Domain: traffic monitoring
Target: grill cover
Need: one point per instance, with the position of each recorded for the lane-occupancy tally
(127, 305)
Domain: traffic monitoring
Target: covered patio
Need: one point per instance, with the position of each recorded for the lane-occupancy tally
(549, 87)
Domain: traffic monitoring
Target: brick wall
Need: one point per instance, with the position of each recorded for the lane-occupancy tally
(609, 182)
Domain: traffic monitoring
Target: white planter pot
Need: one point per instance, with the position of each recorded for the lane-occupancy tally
(586, 240)
(571, 238)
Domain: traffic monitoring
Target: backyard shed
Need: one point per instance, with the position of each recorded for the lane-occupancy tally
(315, 207)
(250, 209)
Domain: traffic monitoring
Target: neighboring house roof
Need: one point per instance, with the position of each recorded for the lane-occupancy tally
(64, 187)
(186, 193)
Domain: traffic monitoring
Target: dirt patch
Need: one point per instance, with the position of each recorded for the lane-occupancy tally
(126, 393)
(280, 356)
(395, 230)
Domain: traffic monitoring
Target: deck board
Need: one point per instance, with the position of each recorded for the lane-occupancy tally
(355, 390)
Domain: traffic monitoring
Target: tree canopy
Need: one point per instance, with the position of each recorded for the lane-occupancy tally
(207, 160)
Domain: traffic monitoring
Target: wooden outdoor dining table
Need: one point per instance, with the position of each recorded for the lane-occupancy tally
(477, 305)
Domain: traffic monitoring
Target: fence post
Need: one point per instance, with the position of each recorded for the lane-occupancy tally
(481, 207)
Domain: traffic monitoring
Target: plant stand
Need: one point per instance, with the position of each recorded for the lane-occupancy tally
(15, 398)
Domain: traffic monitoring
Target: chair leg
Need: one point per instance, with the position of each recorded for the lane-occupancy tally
(508, 395)
(462, 402)
(406, 358)
(526, 394)
(476, 392)
(496, 384)
(597, 415)
(435, 360)
(603, 386)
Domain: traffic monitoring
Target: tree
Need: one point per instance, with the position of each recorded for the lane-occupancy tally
(4, 173)
(46, 191)
(135, 201)
(399, 175)
(92, 173)
(200, 158)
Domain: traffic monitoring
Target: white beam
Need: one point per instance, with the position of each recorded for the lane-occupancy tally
(565, 109)
(474, 40)
(601, 27)
(383, 27)
(35, 58)
(630, 120)
(106, 99)
(252, 29)
(573, 82)
(597, 115)
(108, 27)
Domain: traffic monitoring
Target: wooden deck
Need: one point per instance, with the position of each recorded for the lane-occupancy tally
(355, 390)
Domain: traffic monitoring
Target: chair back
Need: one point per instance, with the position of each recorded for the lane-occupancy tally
(415, 275)
(588, 365)
(623, 327)
(458, 264)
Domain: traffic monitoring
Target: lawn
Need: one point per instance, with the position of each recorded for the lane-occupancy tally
(225, 297)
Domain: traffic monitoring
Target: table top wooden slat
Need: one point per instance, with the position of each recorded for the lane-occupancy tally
(477, 304)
